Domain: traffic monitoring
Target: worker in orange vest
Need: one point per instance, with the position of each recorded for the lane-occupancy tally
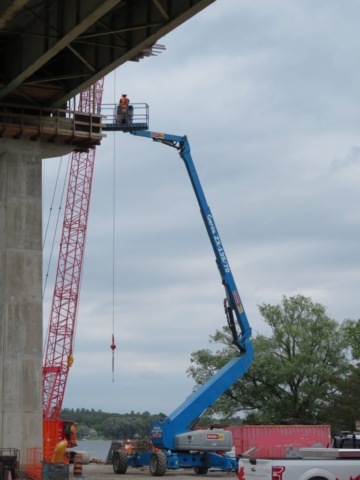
(128, 447)
(123, 108)
(153, 448)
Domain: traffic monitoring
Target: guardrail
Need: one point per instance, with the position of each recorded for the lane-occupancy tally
(134, 117)
(40, 467)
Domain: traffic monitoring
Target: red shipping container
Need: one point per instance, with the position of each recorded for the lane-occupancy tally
(277, 440)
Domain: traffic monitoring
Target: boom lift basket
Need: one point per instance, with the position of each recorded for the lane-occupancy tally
(125, 119)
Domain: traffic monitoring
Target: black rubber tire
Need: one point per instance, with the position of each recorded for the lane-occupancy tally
(120, 462)
(158, 464)
(201, 470)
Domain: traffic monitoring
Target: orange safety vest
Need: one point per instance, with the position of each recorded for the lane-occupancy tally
(124, 102)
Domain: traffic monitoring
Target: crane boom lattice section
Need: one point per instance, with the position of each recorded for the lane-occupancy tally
(60, 340)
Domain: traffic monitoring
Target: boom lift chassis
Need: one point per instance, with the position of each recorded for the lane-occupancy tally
(179, 445)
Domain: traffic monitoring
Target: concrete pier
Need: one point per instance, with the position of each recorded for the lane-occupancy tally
(28, 134)
(21, 291)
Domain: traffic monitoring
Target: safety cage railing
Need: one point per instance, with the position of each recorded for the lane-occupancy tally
(118, 118)
(47, 464)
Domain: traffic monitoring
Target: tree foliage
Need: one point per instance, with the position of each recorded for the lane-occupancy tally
(345, 406)
(297, 367)
(352, 331)
(113, 425)
(129, 425)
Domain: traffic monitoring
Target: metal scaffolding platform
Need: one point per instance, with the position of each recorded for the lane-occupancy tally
(135, 117)
(81, 129)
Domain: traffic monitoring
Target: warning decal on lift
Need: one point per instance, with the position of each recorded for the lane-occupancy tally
(157, 135)
(214, 436)
(237, 301)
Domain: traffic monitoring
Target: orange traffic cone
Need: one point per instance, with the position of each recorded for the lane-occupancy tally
(78, 463)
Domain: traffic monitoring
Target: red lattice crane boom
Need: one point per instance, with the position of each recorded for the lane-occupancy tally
(60, 340)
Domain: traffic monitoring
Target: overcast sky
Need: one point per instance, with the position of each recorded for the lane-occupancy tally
(268, 94)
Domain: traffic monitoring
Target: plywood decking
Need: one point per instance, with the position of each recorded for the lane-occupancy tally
(83, 130)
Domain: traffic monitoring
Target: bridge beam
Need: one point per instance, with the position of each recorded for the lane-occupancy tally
(137, 47)
(54, 49)
(23, 61)
(8, 9)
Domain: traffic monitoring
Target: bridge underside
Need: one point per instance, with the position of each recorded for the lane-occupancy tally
(50, 50)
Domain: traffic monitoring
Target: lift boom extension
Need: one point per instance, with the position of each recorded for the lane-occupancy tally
(175, 433)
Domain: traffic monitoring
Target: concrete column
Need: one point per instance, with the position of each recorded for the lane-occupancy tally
(21, 293)
(20, 300)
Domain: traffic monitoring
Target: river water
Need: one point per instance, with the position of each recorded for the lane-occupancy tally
(96, 448)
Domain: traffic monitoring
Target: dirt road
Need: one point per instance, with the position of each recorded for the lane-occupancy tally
(94, 471)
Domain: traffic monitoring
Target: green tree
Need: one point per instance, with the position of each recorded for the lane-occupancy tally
(82, 431)
(352, 331)
(345, 407)
(296, 367)
(114, 425)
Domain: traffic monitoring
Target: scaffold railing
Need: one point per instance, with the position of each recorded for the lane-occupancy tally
(51, 124)
(117, 118)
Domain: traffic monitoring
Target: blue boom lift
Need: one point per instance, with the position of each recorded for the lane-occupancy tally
(180, 445)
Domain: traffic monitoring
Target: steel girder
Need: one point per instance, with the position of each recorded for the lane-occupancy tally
(51, 50)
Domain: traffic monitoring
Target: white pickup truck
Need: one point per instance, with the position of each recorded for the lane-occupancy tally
(312, 464)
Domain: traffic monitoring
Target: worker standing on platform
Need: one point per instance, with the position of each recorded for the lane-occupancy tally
(128, 447)
(123, 108)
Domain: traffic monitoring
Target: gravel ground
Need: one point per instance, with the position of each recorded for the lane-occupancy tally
(94, 471)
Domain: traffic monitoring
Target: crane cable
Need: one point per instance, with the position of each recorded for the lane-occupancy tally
(113, 346)
(52, 203)
(57, 221)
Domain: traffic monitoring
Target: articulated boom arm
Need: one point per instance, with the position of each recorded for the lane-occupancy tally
(180, 420)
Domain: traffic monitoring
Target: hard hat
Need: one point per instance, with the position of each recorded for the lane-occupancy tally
(127, 441)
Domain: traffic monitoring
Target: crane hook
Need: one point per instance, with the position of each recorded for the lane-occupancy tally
(113, 346)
